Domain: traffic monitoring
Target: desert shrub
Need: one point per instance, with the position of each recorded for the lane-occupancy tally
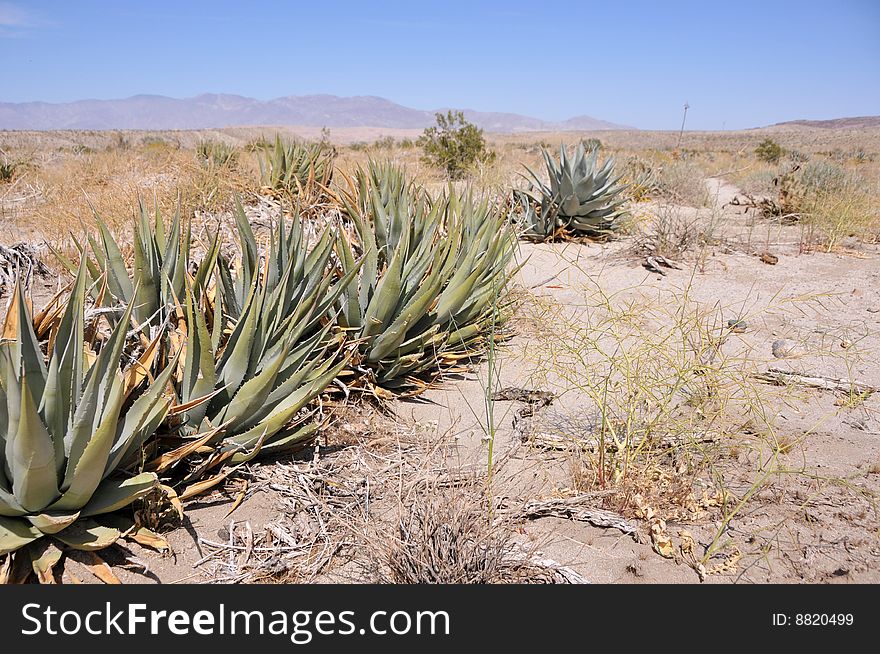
(638, 174)
(592, 144)
(447, 539)
(848, 212)
(821, 177)
(860, 155)
(296, 167)
(384, 143)
(454, 145)
(681, 181)
(407, 144)
(672, 232)
(769, 150)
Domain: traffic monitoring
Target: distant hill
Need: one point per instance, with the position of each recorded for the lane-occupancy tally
(156, 112)
(856, 122)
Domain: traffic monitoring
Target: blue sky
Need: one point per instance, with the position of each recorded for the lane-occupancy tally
(738, 64)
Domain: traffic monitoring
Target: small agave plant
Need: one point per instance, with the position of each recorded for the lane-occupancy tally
(70, 425)
(580, 199)
(294, 168)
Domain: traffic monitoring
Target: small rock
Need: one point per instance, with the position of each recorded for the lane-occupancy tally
(784, 348)
(737, 325)
(769, 258)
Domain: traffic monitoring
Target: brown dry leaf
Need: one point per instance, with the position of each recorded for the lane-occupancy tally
(660, 540)
(44, 558)
(140, 369)
(165, 461)
(202, 486)
(183, 408)
(98, 567)
(148, 538)
(171, 494)
(238, 500)
(10, 324)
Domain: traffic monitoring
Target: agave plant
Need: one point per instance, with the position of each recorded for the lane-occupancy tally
(279, 353)
(295, 168)
(161, 261)
(431, 275)
(581, 197)
(69, 427)
(216, 153)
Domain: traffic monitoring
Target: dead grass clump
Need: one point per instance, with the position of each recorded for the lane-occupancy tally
(449, 537)
(670, 231)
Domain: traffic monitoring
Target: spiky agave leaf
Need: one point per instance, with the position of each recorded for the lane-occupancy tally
(433, 274)
(280, 353)
(63, 430)
(295, 167)
(582, 197)
(161, 260)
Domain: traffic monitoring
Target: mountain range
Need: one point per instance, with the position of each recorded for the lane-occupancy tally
(154, 112)
(854, 122)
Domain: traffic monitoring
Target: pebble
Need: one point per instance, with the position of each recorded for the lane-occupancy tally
(784, 348)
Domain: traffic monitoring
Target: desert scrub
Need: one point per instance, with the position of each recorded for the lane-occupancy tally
(216, 153)
(582, 196)
(7, 170)
(658, 175)
(660, 388)
(769, 151)
(850, 211)
(454, 145)
(296, 169)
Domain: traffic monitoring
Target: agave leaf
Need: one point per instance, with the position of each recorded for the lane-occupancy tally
(32, 460)
(114, 494)
(85, 472)
(146, 272)
(88, 535)
(26, 349)
(44, 557)
(141, 420)
(103, 384)
(15, 533)
(117, 274)
(65, 373)
(386, 297)
(52, 523)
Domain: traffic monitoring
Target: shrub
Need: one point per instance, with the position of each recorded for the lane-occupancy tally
(454, 144)
(769, 150)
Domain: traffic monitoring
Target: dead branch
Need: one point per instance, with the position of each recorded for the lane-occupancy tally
(788, 377)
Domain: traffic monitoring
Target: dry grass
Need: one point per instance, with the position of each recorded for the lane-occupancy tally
(664, 392)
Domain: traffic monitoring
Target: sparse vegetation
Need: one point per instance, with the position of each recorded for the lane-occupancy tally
(454, 145)
(581, 197)
(296, 168)
(216, 153)
(769, 151)
(279, 320)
